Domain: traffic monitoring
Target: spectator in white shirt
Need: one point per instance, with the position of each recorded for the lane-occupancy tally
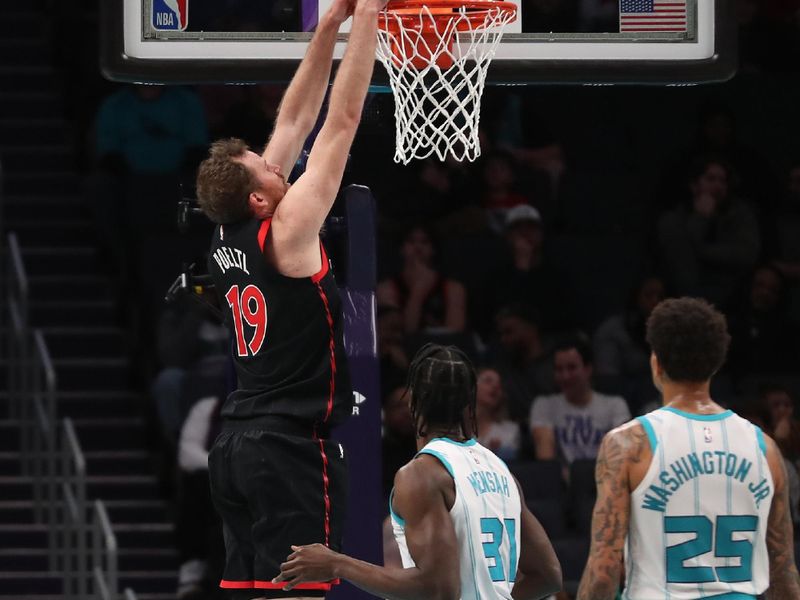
(570, 425)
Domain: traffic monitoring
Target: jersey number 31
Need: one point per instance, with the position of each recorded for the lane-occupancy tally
(491, 549)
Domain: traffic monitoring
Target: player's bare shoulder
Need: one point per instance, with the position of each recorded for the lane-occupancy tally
(625, 454)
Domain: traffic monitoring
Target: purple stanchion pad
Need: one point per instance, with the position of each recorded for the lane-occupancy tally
(361, 434)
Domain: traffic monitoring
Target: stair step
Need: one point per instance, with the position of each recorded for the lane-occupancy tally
(24, 103)
(59, 235)
(86, 373)
(129, 559)
(32, 207)
(24, 582)
(69, 287)
(93, 373)
(107, 487)
(42, 182)
(119, 511)
(54, 260)
(51, 157)
(91, 403)
(94, 434)
(129, 535)
(34, 79)
(83, 341)
(110, 462)
(46, 313)
(32, 52)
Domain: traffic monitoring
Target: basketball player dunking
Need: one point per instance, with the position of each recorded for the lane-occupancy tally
(276, 478)
(458, 516)
(692, 495)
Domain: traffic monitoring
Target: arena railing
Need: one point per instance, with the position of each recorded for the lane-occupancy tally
(72, 547)
(16, 290)
(41, 456)
(104, 555)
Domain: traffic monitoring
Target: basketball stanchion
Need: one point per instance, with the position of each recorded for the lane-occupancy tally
(437, 54)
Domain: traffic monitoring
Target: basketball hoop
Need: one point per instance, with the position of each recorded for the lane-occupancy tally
(437, 54)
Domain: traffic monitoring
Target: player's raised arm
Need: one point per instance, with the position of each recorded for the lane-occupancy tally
(784, 581)
(601, 577)
(430, 536)
(539, 572)
(303, 98)
(299, 217)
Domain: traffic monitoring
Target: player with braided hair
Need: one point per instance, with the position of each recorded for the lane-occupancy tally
(457, 512)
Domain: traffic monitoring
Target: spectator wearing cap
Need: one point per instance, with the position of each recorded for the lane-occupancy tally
(571, 424)
(525, 276)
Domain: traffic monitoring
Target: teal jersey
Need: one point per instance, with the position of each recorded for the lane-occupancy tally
(486, 518)
(699, 517)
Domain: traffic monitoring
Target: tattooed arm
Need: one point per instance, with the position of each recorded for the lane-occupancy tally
(621, 449)
(784, 581)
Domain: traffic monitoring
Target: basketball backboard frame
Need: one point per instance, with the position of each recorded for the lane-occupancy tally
(712, 58)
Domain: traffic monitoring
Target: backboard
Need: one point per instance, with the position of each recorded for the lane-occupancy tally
(597, 42)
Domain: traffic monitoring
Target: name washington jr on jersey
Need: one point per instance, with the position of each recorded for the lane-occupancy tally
(695, 464)
(227, 257)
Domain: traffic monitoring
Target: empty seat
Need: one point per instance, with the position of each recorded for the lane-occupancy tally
(582, 493)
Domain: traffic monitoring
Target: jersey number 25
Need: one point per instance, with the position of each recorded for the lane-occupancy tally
(725, 546)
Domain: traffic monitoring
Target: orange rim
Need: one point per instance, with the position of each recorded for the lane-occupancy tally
(442, 11)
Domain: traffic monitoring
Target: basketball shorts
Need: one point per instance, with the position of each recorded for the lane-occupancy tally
(273, 490)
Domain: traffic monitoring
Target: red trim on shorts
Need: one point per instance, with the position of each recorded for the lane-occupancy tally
(236, 585)
(332, 349)
(262, 232)
(268, 585)
(323, 270)
(326, 497)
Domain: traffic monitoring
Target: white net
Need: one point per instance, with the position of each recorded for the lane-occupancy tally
(437, 69)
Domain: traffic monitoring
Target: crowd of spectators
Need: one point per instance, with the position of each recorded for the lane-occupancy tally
(542, 260)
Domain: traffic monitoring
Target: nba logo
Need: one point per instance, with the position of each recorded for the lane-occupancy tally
(170, 15)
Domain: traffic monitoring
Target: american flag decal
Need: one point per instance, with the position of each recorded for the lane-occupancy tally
(652, 15)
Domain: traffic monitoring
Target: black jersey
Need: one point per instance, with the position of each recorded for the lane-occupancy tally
(286, 332)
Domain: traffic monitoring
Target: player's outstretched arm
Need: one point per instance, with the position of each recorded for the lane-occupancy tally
(302, 211)
(303, 98)
(419, 498)
(601, 577)
(784, 581)
(539, 572)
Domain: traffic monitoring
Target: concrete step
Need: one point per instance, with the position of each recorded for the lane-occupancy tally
(107, 487)
(21, 159)
(129, 535)
(88, 404)
(22, 582)
(26, 104)
(99, 462)
(57, 181)
(54, 260)
(100, 434)
(51, 313)
(29, 52)
(33, 79)
(63, 342)
(69, 287)
(55, 206)
(119, 511)
(130, 559)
